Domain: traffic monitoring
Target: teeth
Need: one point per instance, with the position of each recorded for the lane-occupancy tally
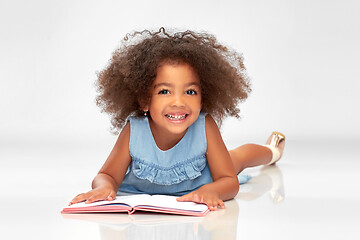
(176, 117)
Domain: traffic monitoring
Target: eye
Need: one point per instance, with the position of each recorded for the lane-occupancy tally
(164, 91)
(191, 92)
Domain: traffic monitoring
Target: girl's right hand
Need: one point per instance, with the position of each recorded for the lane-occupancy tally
(97, 194)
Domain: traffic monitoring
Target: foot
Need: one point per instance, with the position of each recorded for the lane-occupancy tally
(276, 143)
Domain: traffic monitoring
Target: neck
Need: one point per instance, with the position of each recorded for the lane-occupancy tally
(164, 139)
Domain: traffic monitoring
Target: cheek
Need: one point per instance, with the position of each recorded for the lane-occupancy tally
(156, 104)
(199, 102)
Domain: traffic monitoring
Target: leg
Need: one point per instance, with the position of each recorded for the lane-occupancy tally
(252, 155)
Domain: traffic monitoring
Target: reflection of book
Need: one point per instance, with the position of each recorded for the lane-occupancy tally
(145, 225)
(143, 202)
(139, 219)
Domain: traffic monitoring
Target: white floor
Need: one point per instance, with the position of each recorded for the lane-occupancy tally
(312, 193)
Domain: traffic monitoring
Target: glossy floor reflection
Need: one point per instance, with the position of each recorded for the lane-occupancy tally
(311, 193)
(220, 224)
(140, 225)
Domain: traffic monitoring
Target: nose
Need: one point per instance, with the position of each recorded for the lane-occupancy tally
(177, 100)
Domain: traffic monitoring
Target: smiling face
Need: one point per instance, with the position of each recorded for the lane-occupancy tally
(175, 100)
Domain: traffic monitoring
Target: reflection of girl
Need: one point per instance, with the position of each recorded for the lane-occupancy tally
(269, 180)
(165, 92)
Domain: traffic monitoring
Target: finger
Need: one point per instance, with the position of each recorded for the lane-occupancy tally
(218, 204)
(212, 205)
(76, 198)
(79, 198)
(193, 197)
(213, 208)
(200, 198)
(197, 198)
(221, 204)
(97, 197)
(111, 196)
(185, 198)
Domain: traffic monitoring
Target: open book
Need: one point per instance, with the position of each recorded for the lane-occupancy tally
(143, 202)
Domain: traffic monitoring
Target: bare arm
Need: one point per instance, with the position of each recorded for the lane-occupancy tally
(226, 184)
(112, 173)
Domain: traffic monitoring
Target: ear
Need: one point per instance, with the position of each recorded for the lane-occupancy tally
(144, 104)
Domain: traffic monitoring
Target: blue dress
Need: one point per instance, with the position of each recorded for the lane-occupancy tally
(177, 171)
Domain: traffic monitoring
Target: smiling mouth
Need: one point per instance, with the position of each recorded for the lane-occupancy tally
(176, 117)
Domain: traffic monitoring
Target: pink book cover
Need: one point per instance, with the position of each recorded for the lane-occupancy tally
(141, 202)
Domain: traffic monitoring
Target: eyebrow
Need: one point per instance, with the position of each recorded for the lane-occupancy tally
(170, 85)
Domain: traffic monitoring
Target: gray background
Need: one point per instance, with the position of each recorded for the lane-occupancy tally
(302, 57)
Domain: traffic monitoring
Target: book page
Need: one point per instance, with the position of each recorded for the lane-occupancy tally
(158, 203)
(164, 201)
(134, 200)
(131, 201)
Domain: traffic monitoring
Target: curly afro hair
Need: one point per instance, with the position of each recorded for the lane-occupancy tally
(124, 85)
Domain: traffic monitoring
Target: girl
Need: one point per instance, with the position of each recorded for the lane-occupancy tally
(167, 93)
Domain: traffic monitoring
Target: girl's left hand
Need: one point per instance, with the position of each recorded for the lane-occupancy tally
(207, 197)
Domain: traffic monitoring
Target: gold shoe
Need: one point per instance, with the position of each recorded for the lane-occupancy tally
(276, 143)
